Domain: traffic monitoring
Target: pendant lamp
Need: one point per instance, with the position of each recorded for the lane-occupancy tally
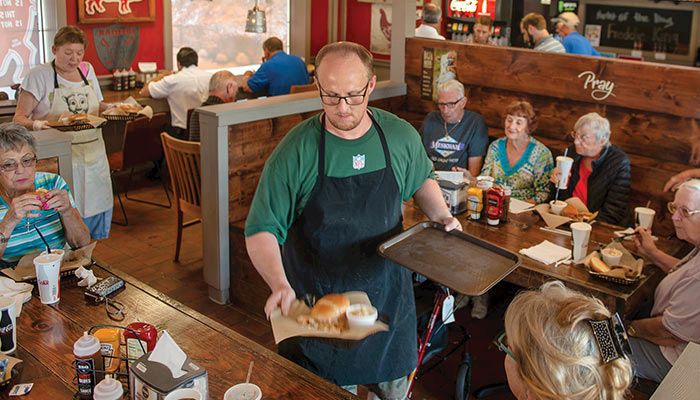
(256, 21)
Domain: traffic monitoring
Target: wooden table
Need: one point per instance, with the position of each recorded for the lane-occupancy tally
(46, 334)
(523, 230)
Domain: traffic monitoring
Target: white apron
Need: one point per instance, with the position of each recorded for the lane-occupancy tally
(92, 186)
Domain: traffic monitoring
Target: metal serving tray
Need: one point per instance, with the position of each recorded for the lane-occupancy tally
(458, 260)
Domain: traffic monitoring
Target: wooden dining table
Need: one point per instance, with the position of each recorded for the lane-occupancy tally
(45, 337)
(524, 230)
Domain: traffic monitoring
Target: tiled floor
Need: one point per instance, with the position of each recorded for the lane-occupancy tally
(145, 250)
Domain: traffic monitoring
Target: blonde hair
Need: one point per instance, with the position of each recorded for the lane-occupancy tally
(555, 350)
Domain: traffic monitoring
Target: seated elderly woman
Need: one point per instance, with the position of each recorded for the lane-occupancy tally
(659, 340)
(518, 160)
(30, 199)
(562, 344)
(600, 175)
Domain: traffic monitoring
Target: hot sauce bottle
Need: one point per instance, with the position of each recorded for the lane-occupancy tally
(494, 205)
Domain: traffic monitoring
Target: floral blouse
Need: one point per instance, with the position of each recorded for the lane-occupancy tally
(529, 177)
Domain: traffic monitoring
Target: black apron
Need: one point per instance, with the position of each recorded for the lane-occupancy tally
(332, 248)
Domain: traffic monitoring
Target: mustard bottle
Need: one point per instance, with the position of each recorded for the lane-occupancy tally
(110, 348)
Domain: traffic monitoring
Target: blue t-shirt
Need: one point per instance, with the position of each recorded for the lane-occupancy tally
(24, 238)
(575, 43)
(278, 73)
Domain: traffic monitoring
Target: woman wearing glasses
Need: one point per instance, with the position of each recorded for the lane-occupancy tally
(518, 160)
(30, 199)
(659, 340)
(67, 85)
(600, 176)
(561, 344)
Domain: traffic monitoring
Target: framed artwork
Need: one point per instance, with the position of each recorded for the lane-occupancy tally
(110, 11)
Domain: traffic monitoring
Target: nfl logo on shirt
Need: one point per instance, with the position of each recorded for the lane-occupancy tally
(358, 161)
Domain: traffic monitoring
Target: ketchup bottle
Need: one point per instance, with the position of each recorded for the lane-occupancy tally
(494, 205)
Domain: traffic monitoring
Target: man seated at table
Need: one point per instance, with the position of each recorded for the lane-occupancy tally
(31, 201)
(185, 90)
(430, 27)
(573, 41)
(222, 89)
(455, 138)
(534, 29)
(278, 72)
(482, 31)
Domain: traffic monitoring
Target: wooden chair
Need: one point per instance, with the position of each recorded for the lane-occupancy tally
(141, 145)
(303, 88)
(183, 160)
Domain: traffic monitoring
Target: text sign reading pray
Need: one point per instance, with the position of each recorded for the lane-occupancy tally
(600, 88)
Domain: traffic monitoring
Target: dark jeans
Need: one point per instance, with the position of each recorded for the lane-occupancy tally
(177, 133)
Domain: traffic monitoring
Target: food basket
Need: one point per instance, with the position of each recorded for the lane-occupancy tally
(615, 279)
(124, 117)
(74, 127)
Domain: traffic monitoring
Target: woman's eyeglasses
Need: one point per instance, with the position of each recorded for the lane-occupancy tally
(501, 342)
(12, 165)
(582, 138)
(449, 104)
(685, 213)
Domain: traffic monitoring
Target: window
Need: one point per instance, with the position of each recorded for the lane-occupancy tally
(216, 30)
(27, 28)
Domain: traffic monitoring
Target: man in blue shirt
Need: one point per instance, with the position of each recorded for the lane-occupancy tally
(573, 41)
(278, 71)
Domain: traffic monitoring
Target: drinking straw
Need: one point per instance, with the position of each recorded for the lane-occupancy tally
(48, 249)
(250, 371)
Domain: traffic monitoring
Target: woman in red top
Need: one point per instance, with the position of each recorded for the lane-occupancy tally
(600, 175)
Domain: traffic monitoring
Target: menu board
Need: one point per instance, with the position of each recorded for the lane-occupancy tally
(654, 29)
(19, 36)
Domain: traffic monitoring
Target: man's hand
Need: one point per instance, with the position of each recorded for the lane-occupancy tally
(281, 297)
(58, 200)
(451, 223)
(464, 172)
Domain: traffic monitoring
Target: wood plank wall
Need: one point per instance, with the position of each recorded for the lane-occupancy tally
(654, 109)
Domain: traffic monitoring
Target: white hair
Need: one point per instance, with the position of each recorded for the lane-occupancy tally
(220, 79)
(452, 84)
(599, 125)
(691, 184)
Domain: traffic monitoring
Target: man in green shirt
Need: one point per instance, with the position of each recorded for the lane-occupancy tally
(329, 194)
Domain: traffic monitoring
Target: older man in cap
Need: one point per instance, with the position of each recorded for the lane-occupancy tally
(573, 41)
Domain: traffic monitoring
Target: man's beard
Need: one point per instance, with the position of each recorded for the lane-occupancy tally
(343, 124)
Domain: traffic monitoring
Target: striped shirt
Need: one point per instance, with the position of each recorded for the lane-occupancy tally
(550, 45)
(24, 238)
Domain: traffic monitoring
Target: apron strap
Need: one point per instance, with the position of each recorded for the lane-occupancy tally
(55, 75)
(322, 145)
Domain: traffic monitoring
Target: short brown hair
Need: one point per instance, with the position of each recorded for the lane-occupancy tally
(484, 20)
(347, 49)
(272, 44)
(69, 35)
(525, 110)
(534, 19)
(186, 56)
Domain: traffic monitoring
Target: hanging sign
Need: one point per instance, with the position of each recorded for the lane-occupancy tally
(116, 45)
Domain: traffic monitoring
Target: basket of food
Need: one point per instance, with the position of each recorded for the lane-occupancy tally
(557, 212)
(122, 112)
(77, 122)
(616, 264)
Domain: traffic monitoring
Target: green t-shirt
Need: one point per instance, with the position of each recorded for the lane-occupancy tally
(291, 171)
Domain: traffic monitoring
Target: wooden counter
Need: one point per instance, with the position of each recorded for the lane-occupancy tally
(45, 337)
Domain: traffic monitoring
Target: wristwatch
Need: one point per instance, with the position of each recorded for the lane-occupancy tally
(3, 238)
(631, 331)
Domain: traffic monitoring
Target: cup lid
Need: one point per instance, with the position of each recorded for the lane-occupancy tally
(243, 391)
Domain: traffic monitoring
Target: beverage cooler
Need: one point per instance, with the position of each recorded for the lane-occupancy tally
(459, 16)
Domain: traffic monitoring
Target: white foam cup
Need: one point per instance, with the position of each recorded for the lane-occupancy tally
(644, 217)
(185, 393)
(564, 167)
(48, 269)
(243, 391)
(580, 233)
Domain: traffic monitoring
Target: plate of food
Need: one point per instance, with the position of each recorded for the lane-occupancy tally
(557, 212)
(615, 263)
(76, 122)
(122, 112)
(348, 316)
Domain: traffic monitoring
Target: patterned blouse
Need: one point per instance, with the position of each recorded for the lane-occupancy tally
(529, 177)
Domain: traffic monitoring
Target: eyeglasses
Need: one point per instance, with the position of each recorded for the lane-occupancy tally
(450, 104)
(351, 100)
(582, 138)
(501, 342)
(11, 165)
(685, 213)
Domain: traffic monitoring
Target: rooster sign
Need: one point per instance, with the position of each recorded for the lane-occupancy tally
(380, 41)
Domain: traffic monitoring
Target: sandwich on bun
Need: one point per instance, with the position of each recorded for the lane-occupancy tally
(328, 314)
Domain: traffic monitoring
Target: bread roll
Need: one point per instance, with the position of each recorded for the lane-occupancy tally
(330, 307)
(570, 211)
(599, 265)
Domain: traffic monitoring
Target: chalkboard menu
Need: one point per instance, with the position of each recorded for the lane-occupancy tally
(655, 29)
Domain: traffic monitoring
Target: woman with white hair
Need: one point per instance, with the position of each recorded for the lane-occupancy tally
(659, 340)
(561, 344)
(600, 175)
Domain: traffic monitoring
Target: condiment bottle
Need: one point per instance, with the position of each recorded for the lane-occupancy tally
(494, 205)
(116, 81)
(110, 348)
(88, 364)
(506, 203)
(484, 182)
(108, 389)
(474, 202)
(140, 337)
(132, 78)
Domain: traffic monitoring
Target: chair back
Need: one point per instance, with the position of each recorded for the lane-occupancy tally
(142, 140)
(183, 161)
(302, 88)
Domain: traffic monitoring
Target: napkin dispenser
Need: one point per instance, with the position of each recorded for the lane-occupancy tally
(150, 380)
(455, 195)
